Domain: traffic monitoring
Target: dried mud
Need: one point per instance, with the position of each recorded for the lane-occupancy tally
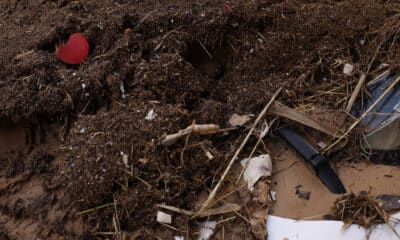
(65, 129)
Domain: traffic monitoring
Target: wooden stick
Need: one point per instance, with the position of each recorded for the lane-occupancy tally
(281, 110)
(356, 91)
(216, 188)
(397, 80)
(210, 212)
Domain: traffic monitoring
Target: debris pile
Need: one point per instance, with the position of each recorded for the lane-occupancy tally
(157, 133)
(361, 209)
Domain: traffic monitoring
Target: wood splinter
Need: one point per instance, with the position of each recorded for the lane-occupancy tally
(198, 129)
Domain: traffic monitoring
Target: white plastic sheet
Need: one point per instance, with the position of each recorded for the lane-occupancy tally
(284, 228)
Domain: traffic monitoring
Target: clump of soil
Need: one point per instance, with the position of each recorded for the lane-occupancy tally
(187, 61)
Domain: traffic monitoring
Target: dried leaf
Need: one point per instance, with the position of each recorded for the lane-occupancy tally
(239, 120)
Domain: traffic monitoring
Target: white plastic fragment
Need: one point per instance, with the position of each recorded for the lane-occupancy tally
(285, 228)
(265, 129)
(272, 196)
(163, 217)
(207, 229)
(348, 69)
(209, 155)
(122, 88)
(321, 145)
(256, 168)
(125, 160)
(83, 86)
(179, 238)
(151, 115)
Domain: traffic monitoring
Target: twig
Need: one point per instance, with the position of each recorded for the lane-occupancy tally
(225, 220)
(227, 195)
(215, 211)
(205, 49)
(187, 142)
(374, 57)
(104, 233)
(95, 208)
(171, 227)
(143, 181)
(397, 80)
(356, 91)
(163, 39)
(145, 17)
(216, 188)
(116, 221)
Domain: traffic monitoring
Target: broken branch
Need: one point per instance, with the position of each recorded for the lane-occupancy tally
(356, 92)
(281, 110)
(216, 188)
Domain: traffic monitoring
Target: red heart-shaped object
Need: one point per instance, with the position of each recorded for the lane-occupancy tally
(75, 51)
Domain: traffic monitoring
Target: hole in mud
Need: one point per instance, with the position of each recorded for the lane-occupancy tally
(27, 146)
(128, 21)
(212, 61)
(146, 54)
(48, 45)
(12, 139)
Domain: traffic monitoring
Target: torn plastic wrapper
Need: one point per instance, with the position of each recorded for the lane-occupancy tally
(382, 126)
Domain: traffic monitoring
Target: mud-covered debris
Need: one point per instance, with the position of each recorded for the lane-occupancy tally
(256, 168)
(163, 217)
(361, 209)
(258, 228)
(303, 194)
(239, 120)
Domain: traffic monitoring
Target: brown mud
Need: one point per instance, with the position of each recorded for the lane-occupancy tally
(64, 129)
